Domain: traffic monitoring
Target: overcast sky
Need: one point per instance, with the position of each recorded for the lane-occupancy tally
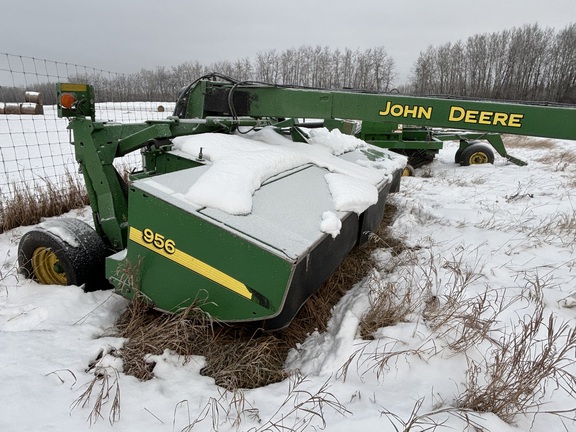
(128, 35)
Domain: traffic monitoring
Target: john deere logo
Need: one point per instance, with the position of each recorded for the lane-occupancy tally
(406, 111)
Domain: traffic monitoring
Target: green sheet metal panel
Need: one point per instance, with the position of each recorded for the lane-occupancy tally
(181, 258)
(260, 266)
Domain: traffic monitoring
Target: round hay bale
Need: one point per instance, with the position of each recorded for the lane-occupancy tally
(160, 108)
(33, 96)
(31, 108)
(12, 108)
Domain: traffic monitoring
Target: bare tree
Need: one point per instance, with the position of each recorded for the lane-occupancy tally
(526, 63)
(562, 69)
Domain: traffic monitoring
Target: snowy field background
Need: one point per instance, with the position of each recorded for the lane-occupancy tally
(510, 227)
(35, 149)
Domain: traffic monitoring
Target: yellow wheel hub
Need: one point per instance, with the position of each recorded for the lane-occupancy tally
(408, 171)
(478, 158)
(47, 268)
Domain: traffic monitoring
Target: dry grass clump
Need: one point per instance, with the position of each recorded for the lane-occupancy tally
(451, 316)
(28, 206)
(560, 160)
(519, 141)
(389, 305)
(459, 320)
(152, 332)
(560, 227)
(521, 365)
(392, 301)
(529, 360)
(514, 379)
(237, 356)
(300, 410)
(104, 388)
(244, 359)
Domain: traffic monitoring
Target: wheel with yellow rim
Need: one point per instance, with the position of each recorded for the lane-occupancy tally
(463, 144)
(63, 252)
(408, 171)
(477, 154)
(47, 267)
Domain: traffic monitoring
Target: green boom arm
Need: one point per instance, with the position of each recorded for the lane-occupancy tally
(217, 98)
(498, 117)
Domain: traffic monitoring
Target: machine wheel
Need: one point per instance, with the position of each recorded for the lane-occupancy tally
(408, 171)
(63, 252)
(477, 154)
(458, 156)
(463, 144)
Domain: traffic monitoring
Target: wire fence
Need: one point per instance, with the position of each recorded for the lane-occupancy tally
(35, 145)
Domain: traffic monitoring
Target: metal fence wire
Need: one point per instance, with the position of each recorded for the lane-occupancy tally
(35, 145)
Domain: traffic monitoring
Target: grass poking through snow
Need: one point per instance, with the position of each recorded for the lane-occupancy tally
(28, 206)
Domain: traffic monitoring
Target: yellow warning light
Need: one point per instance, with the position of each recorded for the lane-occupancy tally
(67, 100)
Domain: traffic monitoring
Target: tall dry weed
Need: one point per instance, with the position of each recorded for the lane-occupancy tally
(560, 160)
(29, 205)
(427, 421)
(529, 360)
(301, 410)
(520, 141)
(103, 389)
(390, 303)
(523, 361)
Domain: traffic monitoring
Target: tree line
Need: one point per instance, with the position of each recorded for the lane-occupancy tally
(527, 63)
(372, 69)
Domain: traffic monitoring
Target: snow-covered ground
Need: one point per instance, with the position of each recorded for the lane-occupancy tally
(511, 228)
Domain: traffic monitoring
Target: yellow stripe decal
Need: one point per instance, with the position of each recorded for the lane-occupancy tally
(195, 265)
(73, 87)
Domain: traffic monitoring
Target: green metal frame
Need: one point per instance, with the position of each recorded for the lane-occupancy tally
(208, 109)
(122, 212)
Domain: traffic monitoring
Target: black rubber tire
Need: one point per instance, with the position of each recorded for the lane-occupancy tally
(75, 249)
(458, 156)
(477, 154)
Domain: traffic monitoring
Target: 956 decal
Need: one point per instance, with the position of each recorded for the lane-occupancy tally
(158, 241)
(166, 247)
